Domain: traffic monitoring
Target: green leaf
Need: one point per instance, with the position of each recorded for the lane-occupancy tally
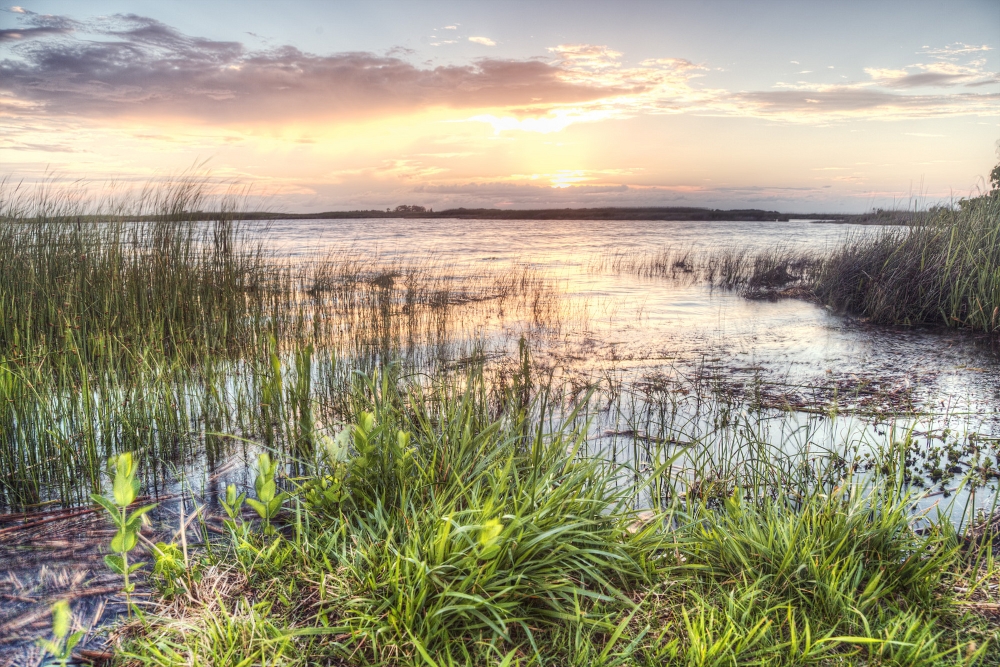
(73, 640)
(131, 539)
(49, 646)
(135, 519)
(124, 541)
(115, 563)
(264, 465)
(266, 492)
(123, 490)
(106, 504)
(123, 464)
(118, 541)
(489, 532)
(366, 422)
(275, 505)
(60, 618)
(133, 568)
(258, 507)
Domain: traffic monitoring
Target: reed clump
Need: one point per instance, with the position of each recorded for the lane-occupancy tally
(943, 270)
(135, 321)
(754, 274)
(430, 533)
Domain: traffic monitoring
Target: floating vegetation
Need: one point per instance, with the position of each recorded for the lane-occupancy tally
(942, 269)
(436, 482)
(430, 533)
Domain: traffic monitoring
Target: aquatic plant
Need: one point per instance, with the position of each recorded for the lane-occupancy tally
(457, 538)
(132, 324)
(125, 488)
(61, 646)
(269, 500)
(944, 270)
(941, 268)
(170, 569)
(232, 504)
(448, 522)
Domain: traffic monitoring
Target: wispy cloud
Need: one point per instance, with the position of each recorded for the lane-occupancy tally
(666, 86)
(396, 169)
(545, 194)
(133, 66)
(832, 103)
(36, 25)
(14, 34)
(148, 69)
(956, 49)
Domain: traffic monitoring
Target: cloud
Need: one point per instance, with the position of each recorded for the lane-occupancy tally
(498, 193)
(37, 26)
(666, 86)
(840, 102)
(956, 49)
(45, 148)
(129, 66)
(400, 169)
(144, 68)
(485, 41)
(658, 85)
(14, 34)
(943, 71)
(532, 195)
(939, 74)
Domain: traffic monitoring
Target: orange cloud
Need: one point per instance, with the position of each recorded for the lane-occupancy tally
(151, 70)
(144, 69)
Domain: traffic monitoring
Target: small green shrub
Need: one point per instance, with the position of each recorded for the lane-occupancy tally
(268, 501)
(125, 487)
(61, 646)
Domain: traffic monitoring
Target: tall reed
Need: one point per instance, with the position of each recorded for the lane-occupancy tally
(135, 321)
(943, 270)
(429, 532)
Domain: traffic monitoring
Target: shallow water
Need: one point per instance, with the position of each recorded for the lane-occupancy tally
(645, 320)
(794, 360)
(659, 342)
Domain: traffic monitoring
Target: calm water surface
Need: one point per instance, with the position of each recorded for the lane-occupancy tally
(636, 332)
(642, 320)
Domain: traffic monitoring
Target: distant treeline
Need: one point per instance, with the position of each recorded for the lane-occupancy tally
(607, 213)
(877, 217)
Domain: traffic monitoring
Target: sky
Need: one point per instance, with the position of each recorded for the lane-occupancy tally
(791, 106)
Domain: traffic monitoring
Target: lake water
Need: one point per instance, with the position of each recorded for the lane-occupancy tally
(648, 337)
(647, 320)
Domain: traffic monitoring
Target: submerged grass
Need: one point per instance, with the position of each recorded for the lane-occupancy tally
(125, 326)
(942, 269)
(430, 533)
(458, 518)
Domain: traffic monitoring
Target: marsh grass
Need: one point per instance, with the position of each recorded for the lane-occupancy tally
(435, 534)
(945, 270)
(127, 326)
(942, 268)
(759, 274)
(464, 516)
